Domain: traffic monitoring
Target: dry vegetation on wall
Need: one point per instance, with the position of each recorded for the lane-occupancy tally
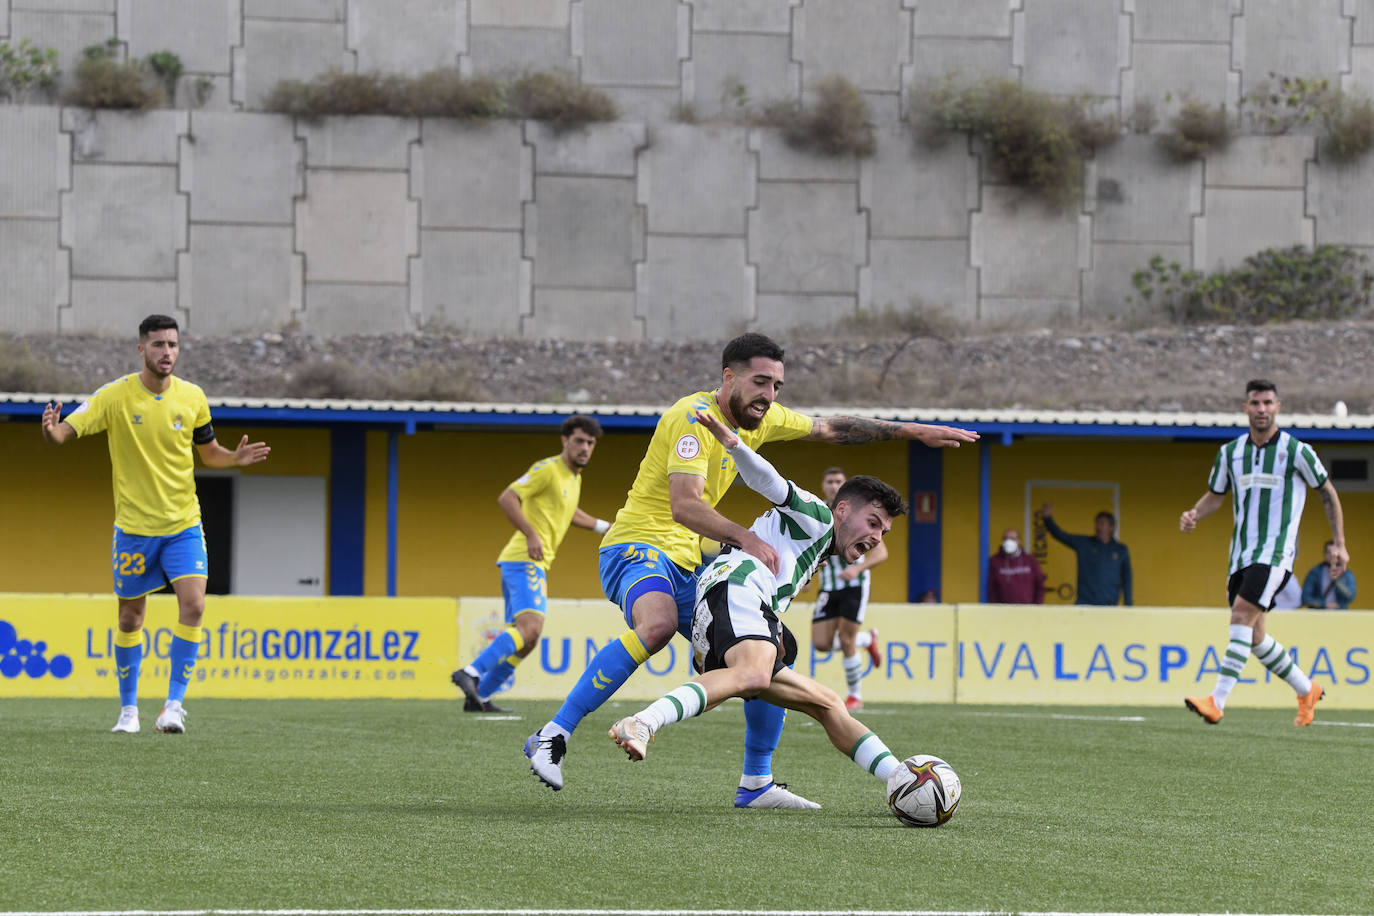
(554, 97)
(837, 123)
(1033, 140)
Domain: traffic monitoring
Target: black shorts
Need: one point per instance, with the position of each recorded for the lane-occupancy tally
(848, 603)
(726, 615)
(1258, 584)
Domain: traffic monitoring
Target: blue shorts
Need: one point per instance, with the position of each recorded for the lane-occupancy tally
(523, 588)
(631, 570)
(145, 563)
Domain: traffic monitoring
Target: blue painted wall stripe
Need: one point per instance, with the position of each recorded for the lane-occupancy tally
(347, 509)
(925, 474)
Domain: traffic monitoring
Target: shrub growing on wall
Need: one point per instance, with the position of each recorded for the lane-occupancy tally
(1276, 284)
(104, 81)
(25, 69)
(835, 124)
(1197, 129)
(1033, 140)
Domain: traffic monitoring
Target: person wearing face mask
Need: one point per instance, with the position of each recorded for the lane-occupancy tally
(1014, 576)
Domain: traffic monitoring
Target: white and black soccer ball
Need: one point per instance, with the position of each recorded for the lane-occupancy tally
(923, 791)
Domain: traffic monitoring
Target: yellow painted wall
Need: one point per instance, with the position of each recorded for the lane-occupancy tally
(58, 509)
(1157, 481)
(450, 528)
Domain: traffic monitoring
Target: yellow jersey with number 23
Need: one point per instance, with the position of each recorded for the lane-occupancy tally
(681, 446)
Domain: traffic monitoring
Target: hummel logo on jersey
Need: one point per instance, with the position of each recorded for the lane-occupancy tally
(138, 419)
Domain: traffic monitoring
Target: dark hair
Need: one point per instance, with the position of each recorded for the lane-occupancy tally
(157, 323)
(1107, 515)
(832, 470)
(863, 489)
(583, 422)
(1328, 544)
(746, 346)
(1261, 384)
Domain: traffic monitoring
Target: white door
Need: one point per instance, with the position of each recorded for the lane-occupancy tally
(279, 535)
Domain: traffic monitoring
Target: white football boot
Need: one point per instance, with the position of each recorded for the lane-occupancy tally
(172, 719)
(546, 758)
(128, 720)
(773, 795)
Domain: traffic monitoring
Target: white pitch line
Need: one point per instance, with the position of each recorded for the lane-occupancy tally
(586, 912)
(1346, 724)
(1058, 715)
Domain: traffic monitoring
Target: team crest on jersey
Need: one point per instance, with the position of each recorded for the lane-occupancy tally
(688, 447)
(176, 422)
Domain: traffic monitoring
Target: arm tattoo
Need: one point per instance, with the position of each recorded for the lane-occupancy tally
(1329, 505)
(858, 430)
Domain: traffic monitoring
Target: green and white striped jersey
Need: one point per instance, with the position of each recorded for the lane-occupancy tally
(801, 530)
(830, 575)
(1270, 487)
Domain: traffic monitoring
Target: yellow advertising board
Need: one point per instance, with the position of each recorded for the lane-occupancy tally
(917, 642)
(63, 646)
(1149, 656)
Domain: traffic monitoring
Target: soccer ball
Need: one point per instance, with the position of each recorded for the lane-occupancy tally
(923, 791)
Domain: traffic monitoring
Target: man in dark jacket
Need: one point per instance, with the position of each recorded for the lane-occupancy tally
(1104, 563)
(1014, 576)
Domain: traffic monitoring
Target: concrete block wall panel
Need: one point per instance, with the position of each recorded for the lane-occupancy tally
(473, 176)
(779, 162)
(583, 314)
(607, 149)
(357, 227)
(964, 18)
(275, 50)
(243, 168)
(407, 36)
(633, 42)
(502, 50)
(1027, 255)
(733, 73)
(200, 32)
(519, 14)
(825, 34)
(1310, 39)
(143, 137)
(584, 231)
(692, 287)
(472, 281)
(1183, 20)
(35, 163)
(807, 237)
(309, 10)
(358, 142)
(124, 221)
(1138, 194)
(29, 268)
(1073, 47)
(1168, 74)
(650, 105)
(1262, 162)
(70, 32)
(239, 279)
(932, 274)
(117, 306)
(1237, 222)
(964, 59)
(352, 308)
(697, 180)
(741, 16)
(914, 191)
(1340, 198)
(1107, 288)
(782, 314)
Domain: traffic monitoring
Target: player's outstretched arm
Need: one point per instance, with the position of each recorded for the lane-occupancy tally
(756, 471)
(1208, 503)
(56, 431)
(858, 430)
(217, 456)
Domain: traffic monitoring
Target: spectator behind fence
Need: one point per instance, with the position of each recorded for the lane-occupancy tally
(1324, 589)
(1014, 576)
(1104, 563)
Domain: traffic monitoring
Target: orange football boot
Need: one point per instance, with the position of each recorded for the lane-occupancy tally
(1207, 708)
(1307, 704)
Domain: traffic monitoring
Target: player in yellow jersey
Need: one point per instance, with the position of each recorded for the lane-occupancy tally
(154, 421)
(650, 557)
(540, 504)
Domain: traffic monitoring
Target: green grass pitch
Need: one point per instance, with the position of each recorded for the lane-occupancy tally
(392, 804)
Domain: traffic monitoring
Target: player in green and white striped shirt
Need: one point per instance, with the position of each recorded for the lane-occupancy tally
(1268, 472)
(739, 646)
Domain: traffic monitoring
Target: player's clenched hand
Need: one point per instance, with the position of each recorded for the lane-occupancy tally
(758, 548)
(942, 436)
(718, 429)
(250, 452)
(1188, 520)
(534, 546)
(850, 573)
